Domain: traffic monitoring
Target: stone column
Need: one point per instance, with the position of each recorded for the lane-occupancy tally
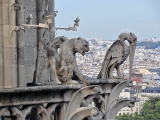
(51, 12)
(1, 48)
(9, 44)
(41, 13)
(30, 39)
(20, 45)
(52, 33)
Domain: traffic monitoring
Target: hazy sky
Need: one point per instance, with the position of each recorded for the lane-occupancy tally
(106, 19)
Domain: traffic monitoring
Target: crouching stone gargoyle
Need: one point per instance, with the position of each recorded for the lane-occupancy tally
(67, 62)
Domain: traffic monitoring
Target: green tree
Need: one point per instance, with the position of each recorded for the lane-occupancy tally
(124, 117)
(149, 117)
(157, 116)
(137, 116)
(146, 108)
(157, 110)
(147, 113)
(150, 111)
(157, 107)
(153, 101)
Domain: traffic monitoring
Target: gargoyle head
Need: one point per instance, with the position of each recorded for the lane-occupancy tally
(81, 46)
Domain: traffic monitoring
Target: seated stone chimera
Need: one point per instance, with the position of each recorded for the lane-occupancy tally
(67, 59)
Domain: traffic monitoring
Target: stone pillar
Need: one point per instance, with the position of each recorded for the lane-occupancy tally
(1, 48)
(9, 44)
(41, 12)
(52, 33)
(51, 12)
(30, 39)
(21, 45)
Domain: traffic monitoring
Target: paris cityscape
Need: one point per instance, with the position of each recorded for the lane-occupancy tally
(145, 75)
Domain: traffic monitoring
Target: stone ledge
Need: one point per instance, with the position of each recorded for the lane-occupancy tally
(100, 81)
(40, 88)
(46, 93)
(48, 87)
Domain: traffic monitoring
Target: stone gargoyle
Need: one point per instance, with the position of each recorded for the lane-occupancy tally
(67, 65)
(117, 54)
(63, 63)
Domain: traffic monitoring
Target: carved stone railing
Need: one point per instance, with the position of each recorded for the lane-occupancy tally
(99, 101)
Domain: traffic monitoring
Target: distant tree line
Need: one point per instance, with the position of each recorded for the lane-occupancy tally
(149, 44)
(150, 111)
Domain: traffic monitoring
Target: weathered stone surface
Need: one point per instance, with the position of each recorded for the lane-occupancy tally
(29, 55)
(10, 80)
(30, 37)
(9, 36)
(20, 19)
(9, 44)
(43, 88)
(41, 5)
(29, 72)
(8, 1)
(1, 13)
(8, 17)
(1, 36)
(51, 6)
(1, 57)
(20, 39)
(20, 52)
(10, 56)
(1, 78)
(29, 60)
(32, 98)
(30, 5)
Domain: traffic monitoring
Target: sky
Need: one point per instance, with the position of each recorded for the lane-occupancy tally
(106, 19)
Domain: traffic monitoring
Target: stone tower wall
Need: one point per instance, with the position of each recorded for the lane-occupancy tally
(19, 47)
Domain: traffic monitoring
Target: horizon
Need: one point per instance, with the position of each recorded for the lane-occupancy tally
(143, 40)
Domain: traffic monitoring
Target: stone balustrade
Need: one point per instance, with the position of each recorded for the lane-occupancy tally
(99, 101)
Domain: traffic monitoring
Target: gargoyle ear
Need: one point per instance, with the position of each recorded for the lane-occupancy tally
(78, 38)
(62, 39)
(131, 33)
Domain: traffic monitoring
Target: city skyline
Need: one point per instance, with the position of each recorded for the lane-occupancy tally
(107, 19)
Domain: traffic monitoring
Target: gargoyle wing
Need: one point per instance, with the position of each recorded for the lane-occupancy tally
(114, 54)
(46, 50)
